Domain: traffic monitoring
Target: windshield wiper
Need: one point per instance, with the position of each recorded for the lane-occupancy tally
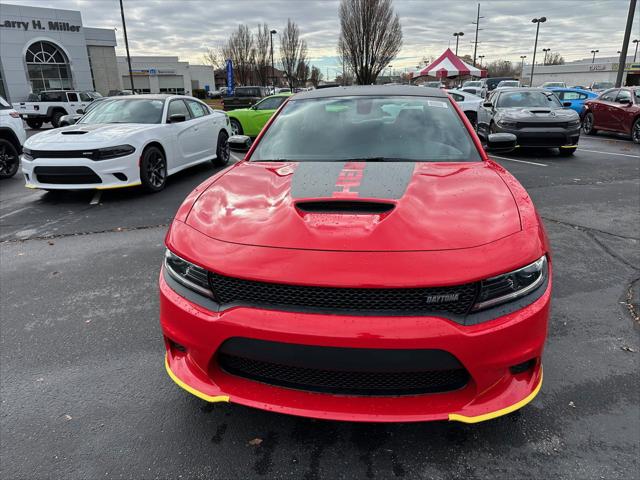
(374, 159)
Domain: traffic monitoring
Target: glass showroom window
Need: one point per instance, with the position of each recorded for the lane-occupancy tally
(48, 67)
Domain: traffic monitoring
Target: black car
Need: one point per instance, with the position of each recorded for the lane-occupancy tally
(535, 116)
(244, 97)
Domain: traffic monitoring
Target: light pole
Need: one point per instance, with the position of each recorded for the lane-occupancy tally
(537, 21)
(390, 72)
(458, 35)
(273, 72)
(126, 44)
(545, 50)
(481, 57)
(593, 60)
(636, 41)
(522, 57)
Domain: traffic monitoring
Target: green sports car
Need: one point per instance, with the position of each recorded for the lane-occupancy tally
(249, 121)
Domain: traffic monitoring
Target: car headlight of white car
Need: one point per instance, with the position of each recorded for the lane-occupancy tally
(112, 152)
(507, 123)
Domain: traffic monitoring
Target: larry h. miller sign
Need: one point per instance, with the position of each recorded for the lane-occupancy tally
(38, 25)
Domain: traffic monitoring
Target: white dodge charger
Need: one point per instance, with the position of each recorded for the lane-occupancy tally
(127, 141)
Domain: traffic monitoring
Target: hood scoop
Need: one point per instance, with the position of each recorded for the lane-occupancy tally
(532, 110)
(74, 132)
(347, 207)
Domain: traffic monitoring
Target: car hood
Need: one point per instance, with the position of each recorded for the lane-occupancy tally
(559, 114)
(401, 206)
(98, 134)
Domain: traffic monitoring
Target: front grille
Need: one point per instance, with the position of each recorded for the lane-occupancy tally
(541, 124)
(61, 153)
(347, 371)
(66, 175)
(549, 140)
(457, 300)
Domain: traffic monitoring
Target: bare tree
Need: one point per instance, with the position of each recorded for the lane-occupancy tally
(262, 58)
(370, 37)
(502, 68)
(555, 59)
(302, 74)
(293, 51)
(315, 76)
(213, 57)
(240, 49)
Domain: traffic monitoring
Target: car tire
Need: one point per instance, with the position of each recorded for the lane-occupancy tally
(55, 119)
(34, 124)
(153, 169)
(9, 159)
(567, 152)
(635, 131)
(473, 119)
(223, 153)
(236, 127)
(587, 124)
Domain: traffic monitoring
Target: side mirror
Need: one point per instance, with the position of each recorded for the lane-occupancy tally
(487, 105)
(501, 142)
(566, 104)
(625, 101)
(239, 143)
(177, 118)
(80, 111)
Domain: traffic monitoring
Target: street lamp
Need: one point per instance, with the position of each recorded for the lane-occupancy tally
(390, 71)
(273, 73)
(522, 57)
(593, 60)
(636, 41)
(481, 57)
(537, 21)
(545, 50)
(458, 35)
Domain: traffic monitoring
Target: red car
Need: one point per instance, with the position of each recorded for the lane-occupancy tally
(616, 110)
(366, 261)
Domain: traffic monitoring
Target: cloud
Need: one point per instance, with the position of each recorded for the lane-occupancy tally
(186, 27)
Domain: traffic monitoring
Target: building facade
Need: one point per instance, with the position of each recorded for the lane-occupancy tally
(164, 75)
(50, 49)
(583, 72)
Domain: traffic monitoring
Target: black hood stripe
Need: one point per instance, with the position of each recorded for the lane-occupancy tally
(351, 179)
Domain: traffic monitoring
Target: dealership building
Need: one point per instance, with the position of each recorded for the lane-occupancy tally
(50, 49)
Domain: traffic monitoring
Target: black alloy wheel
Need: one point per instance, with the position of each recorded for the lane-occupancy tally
(587, 124)
(223, 152)
(635, 131)
(153, 169)
(34, 123)
(9, 159)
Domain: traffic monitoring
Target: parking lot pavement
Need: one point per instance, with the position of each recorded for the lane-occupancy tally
(84, 393)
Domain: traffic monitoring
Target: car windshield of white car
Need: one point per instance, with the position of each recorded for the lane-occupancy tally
(368, 128)
(4, 104)
(528, 100)
(125, 111)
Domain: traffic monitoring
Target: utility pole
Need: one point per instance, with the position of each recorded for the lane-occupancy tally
(537, 21)
(475, 44)
(625, 43)
(273, 71)
(126, 44)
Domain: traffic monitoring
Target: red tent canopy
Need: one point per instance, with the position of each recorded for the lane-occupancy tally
(449, 65)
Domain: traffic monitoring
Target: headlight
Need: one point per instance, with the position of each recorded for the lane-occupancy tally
(574, 123)
(26, 154)
(512, 285)
(191, 276)
(507, 123)
(112, 152)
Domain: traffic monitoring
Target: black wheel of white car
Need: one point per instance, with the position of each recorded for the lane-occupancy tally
(567, 152)
(9, 160)
(34, 123)
(635, 131)
(55, 119)
(587, 124)
(236, 127)
(223, 153)
(153, 169)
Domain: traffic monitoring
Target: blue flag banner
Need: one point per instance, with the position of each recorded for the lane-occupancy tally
(230, 86)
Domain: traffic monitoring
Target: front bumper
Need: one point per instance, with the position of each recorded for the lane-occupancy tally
(193, 335)
(81, 173)
(544, 137)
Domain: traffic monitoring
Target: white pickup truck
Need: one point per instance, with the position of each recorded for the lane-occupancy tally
(52, 106)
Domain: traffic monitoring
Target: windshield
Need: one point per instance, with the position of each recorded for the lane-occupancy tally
(472, 84)
(125, 111)
(4, 104)
(528, 100)
(367, 128)
(508, 84)
(602, 85)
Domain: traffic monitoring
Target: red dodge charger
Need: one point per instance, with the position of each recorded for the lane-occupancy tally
(366, 261)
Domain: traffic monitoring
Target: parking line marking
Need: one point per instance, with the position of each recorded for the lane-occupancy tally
(14, 212)
(96, 198)
(521, 161)
(608, 153)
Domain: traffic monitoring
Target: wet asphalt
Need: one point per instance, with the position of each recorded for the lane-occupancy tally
(84, 394)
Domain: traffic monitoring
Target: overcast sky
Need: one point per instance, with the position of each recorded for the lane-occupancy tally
(187, 27)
